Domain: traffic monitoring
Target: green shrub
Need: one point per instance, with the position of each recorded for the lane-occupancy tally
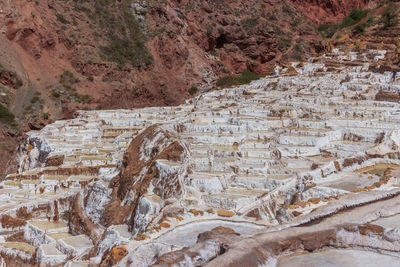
(355, 16)
(213, 52)
(114, 22)
(55, 93)
(245, 77)
(284, 43)
(298, 51)
(193, 90)
(272, 17)
(250, 23)
(124, 50)
(328, 30)
(83, 98)
(90, 78)
(127, 42)
(277, 29)
(34, 99)
(297, 21)
(67, 79)
(6, 116)
(287, 9)
(359, 28)
(324, 27)
(61, 19)
(46, 116)
(389, 16)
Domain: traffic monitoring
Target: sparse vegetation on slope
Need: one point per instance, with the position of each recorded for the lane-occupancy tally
(355, 16)
(67, 89)
(9, 78)
(126, 41)
(389, 16)
(193, 90)
(6, 116)
(67, 79)
(245, 77)
(380, 21)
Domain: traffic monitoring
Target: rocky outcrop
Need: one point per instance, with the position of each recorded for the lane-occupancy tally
(33, 154)
(209, 245)
(8, 151)
(328, 11)
(387, 96)
(329, 232)
(56, 160)
(151, 176)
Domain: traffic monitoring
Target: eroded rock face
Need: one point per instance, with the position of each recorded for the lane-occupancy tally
(209, 245)
(8, 162)
(33, 154)
(55, 160)
(152, 169)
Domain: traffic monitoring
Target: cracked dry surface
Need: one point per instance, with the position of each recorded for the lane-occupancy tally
(301, 167)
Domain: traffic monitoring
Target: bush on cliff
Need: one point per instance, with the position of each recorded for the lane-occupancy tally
(245, 77)
(6, 116)
(193, 90)
(355, 16)
(389, 16)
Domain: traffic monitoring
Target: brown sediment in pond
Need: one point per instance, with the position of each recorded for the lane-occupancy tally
(379, 168)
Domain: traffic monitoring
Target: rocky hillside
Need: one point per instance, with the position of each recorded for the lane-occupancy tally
(58, 56)
(329, 11)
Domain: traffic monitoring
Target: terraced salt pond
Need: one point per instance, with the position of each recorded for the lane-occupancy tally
(351, 182)
(260, 155)
(379, 168)
(389, 222)
(339, 258)
(186, 235)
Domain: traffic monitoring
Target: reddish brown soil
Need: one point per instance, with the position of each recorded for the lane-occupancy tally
(220, 235)
(305, 241)
(8, 147)
(9, 222)
(327, 11)
(78, 223)
(387, 96)
(17, 237)
(116, 255)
